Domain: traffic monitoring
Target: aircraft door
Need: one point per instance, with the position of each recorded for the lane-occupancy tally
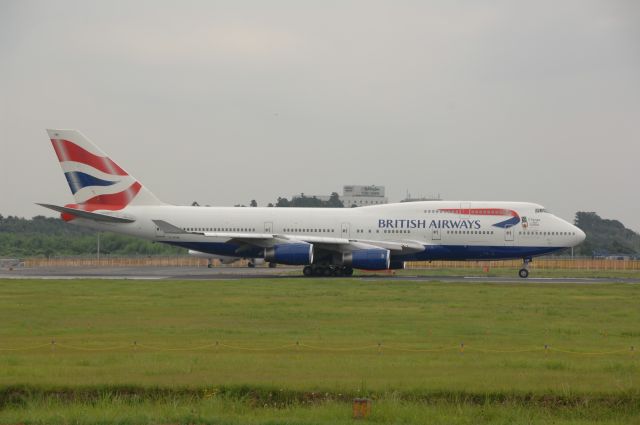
(345, 231)
(435, 234)
(508, 235)
(268, 227)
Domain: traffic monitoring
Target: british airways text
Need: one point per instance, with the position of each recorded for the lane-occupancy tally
(424, 224)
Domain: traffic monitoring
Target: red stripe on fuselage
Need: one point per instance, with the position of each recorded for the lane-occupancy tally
(481, 211)
(69, 151)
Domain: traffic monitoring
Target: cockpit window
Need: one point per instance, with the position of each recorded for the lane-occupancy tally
(541, 210)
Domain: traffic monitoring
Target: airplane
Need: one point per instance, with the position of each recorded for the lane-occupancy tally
(325, 241)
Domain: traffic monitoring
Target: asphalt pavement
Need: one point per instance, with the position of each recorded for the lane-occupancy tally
(203, 273)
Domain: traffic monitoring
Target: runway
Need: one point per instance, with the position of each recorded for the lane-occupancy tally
(237, 273)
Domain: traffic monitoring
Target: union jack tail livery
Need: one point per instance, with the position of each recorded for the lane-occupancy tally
(95, 180)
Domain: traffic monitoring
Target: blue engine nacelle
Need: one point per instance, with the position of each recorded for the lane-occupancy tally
(294, 254)
(369, 259)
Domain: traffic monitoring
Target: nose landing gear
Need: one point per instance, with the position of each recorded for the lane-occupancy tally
(524, 271)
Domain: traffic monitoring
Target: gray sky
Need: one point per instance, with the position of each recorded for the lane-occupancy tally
(222, 102)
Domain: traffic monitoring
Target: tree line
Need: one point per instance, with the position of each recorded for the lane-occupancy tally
(605, 237)
(46, 237)
(301, 201)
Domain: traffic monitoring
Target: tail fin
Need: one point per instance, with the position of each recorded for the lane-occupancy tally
(95, 180)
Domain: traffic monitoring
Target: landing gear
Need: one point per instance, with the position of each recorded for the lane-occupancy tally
(524, 271)
(209, 263)
(307, 271)
(251, 264)
(272, 265)
(326, 270)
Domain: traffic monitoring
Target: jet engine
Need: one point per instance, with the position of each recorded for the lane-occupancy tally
(369, 259)
(299, 253)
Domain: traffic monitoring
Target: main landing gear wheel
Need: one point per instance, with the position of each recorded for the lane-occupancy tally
(307, 271)
(524, 271)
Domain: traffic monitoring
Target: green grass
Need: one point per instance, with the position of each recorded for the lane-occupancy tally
(367, 338)
(222, 410)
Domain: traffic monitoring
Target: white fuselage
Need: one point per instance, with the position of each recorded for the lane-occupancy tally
(447, 229)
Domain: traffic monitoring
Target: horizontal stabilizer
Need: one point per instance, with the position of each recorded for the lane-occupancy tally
(88, 215)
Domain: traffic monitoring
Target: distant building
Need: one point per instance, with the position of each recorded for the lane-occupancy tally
(362, 196)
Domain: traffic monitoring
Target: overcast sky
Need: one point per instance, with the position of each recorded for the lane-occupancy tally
(224, 102)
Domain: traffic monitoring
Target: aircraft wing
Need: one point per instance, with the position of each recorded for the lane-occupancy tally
(174, 230)
(348, 245)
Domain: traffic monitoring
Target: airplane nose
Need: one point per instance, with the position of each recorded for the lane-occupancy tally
(581, 235)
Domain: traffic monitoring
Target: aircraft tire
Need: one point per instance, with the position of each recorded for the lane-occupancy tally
(307, 271)
(523, 273)
(347, 271)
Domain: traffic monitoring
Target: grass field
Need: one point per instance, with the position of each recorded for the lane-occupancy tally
(513, 272)
(298, 350)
